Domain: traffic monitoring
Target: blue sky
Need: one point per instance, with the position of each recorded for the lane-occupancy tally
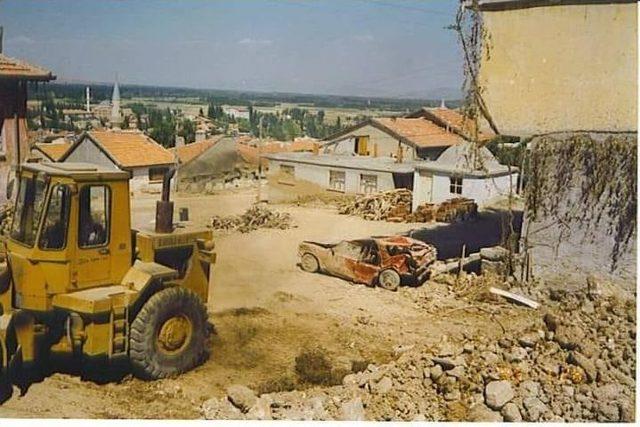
(395, 48)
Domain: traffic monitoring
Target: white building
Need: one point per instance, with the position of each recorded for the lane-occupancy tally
(344, 174)
(237, 112)
(132, 151)
(463, 170)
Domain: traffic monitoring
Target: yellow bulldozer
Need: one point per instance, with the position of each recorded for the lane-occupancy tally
(80, 284)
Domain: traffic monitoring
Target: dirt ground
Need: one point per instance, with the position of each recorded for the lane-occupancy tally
(266, 311)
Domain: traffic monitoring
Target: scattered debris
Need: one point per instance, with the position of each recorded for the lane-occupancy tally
(515, 297)
(452, 210)
(254, 218)
(6, 216)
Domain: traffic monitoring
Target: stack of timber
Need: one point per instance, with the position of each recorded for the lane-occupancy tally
(255, 217)
(395, 206)
(452, 210)
(391, 205)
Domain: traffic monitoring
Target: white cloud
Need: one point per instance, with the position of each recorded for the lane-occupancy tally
(255, 42)
(20, 40)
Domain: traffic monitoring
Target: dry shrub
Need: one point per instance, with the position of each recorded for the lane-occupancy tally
(312, 366)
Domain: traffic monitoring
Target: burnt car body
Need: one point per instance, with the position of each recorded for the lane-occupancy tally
(383, 261)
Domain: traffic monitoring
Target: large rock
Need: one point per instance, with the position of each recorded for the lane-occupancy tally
(383, 386)
(511, 413)
(498, 393)
(241, 397)
(494, 253)
(535, 408)
(352, 410)
(480, 413)
(220, 409)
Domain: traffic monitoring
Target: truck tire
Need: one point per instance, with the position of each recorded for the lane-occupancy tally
(389, 279)
(169, 334)
(309, 263)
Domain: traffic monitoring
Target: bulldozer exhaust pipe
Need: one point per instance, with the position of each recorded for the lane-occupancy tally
(164, 207)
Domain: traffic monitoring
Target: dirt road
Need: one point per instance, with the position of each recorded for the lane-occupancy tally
(266, 311)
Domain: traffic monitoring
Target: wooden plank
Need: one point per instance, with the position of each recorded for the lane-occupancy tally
(515, 297)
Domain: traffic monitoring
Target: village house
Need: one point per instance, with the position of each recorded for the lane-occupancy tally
(412, 138)
(14, 143)
(131, 151)
(427, 152)
(573, 100)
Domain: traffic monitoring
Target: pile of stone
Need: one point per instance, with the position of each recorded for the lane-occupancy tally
(576, 362)
(256, 217)
(391, 205)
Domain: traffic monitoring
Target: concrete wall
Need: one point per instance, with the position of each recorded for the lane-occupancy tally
(319, 175)
(437, 185)
(561, 68)
(387, 145)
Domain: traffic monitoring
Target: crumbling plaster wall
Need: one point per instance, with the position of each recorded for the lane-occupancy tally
(387, 144)
(564, 248)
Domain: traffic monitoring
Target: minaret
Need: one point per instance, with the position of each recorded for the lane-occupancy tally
(116, 119)
(442, 104)
(88, 92)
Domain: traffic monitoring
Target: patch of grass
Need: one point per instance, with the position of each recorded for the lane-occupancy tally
(314, 367)
(286, 382)
(359, 365)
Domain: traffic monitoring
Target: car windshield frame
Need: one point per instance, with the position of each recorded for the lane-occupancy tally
(28, 209)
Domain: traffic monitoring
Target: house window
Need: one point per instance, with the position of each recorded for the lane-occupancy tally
(157, 174)
(288, 170)
(361, 145)
(336, 180)
(95, 201)
(455, 185)
(368, 184)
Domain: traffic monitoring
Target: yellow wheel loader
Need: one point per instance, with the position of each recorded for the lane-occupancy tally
(80, 284)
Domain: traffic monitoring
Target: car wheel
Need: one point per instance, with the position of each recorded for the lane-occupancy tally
(309, 263)
(389, 280)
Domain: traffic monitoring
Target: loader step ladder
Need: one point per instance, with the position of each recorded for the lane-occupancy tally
(119, 332)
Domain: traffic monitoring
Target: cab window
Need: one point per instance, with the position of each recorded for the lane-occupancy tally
(28, 210)
(94, 216)
(56, 220)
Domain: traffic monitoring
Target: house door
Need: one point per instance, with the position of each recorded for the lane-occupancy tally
(427, 187)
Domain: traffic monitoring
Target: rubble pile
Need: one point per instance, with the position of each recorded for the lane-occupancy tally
(256, 217)
(576, 362)
(395, 206)
(6, 217)
(387, 205)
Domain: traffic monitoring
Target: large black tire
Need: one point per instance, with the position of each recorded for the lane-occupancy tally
(309, 263)
(169, 334)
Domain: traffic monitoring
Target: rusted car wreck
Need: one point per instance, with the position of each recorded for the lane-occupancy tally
(387, 262)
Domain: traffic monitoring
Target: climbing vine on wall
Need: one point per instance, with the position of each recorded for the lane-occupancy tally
(586, 182)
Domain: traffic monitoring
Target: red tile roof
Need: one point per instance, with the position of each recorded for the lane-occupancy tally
(249, 150)
(454, 120)
(419, 131)
(53, 150)
(11, 68)
(188, 152)
(128, 149)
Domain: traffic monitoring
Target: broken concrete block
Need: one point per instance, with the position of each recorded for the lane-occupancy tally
(241, 397)
(498, 393)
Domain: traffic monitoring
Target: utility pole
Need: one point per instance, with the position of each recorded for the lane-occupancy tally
(259, 160)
